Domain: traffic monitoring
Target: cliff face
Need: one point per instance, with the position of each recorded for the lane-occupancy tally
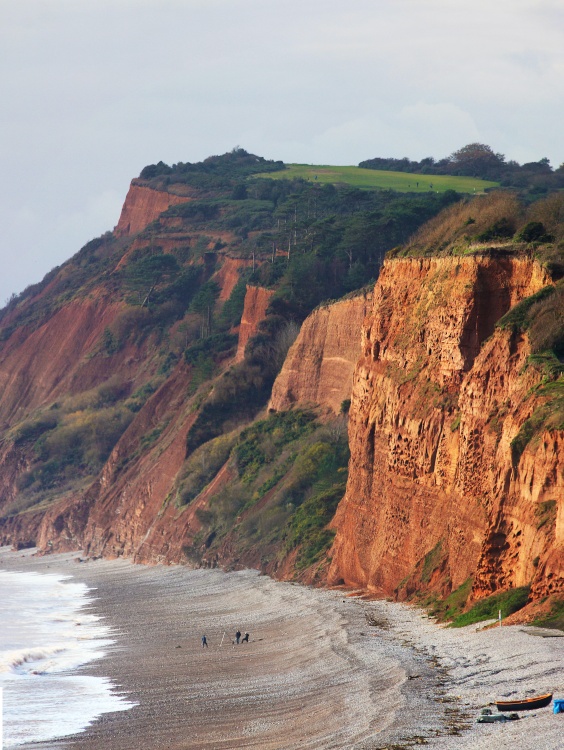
(319, 366)
(30, 373)
(435, 492)
(142, 206)
(254, 311)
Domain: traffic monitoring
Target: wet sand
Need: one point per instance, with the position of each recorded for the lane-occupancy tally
(321, 670)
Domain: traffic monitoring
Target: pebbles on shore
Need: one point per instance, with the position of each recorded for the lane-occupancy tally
(322, 670)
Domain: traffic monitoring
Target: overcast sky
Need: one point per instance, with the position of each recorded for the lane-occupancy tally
(93, 90)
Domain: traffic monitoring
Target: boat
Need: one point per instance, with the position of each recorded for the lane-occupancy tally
(527, 704)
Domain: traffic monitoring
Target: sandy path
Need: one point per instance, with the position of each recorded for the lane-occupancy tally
(315, 674)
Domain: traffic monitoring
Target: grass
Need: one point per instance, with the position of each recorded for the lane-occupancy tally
(371, 179)
(554, 619)
(488, 608)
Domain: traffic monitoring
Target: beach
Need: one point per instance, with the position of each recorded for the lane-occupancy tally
(322, 669)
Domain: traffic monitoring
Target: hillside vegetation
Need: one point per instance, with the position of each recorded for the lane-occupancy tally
(157, 379)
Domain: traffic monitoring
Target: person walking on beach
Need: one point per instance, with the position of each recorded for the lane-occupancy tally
(237, 636)
(204, 642)
(245, 638)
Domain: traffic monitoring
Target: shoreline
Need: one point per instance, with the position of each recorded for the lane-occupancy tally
(322, 669)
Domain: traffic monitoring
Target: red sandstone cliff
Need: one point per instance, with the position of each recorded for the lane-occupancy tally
(319, 366)
(142, 206)
(254, 311)
(438, 395)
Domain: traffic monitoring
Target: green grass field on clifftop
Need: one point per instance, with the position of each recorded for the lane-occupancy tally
(371, 179)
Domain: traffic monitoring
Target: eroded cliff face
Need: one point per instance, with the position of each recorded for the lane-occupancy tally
(254, 311)
(142, 206)
(319, 367)
(435, 493)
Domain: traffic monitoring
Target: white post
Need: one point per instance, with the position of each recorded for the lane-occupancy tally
(499, 616)
(220, 645)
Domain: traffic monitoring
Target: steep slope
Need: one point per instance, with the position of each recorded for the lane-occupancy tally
(143, 205)
(436, 494)
(319, 366)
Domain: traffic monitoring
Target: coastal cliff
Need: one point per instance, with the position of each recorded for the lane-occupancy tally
(157, 403)
(319, 366)
(142, 206)
(436, 493)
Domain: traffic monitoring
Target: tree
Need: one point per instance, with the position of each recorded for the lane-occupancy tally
(203, 304)
(477, 159)
(146, 274)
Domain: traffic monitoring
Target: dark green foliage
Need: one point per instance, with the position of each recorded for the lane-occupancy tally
(236, 398)
(245, 388)
(479, 160)
(487, 609)
(292, 473)
(308, 526)
(197, 211)
(549, 415)
(203, 303)
(259, 444)
(234, 164)
(501, 229)
(534, 231)
(149, 271)
(205, 354)
(232, 310)
(214, 347)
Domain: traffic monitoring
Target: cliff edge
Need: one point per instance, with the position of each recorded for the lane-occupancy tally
(437, 493)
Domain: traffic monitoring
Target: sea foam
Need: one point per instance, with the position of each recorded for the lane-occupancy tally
(45, 636)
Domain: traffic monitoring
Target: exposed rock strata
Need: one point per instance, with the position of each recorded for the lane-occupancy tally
(319, 367)
(438, 395)
(254, 311)
(142, 206)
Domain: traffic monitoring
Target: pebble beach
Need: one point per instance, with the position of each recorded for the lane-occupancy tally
(322, 669)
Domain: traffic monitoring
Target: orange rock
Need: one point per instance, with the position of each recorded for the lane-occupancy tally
(438, 395)
(142, 206)
(256, 302)
(319, 367)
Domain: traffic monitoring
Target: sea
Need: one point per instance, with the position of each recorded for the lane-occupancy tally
(47, 636)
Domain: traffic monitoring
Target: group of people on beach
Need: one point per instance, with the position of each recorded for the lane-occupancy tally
(238, 639)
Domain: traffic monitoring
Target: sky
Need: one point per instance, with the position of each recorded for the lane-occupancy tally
(94, 90)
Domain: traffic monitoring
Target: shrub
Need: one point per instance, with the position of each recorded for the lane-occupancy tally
(200, 468)
(501, 229)
(533, 231)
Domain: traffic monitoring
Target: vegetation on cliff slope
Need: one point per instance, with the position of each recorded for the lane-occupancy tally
(306, 242)
(289, 471)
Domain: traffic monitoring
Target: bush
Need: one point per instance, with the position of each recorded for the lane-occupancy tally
(534, 231)
(501, 229)
(202, 466)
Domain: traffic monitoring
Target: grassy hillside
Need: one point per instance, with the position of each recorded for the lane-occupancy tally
(373, 179)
